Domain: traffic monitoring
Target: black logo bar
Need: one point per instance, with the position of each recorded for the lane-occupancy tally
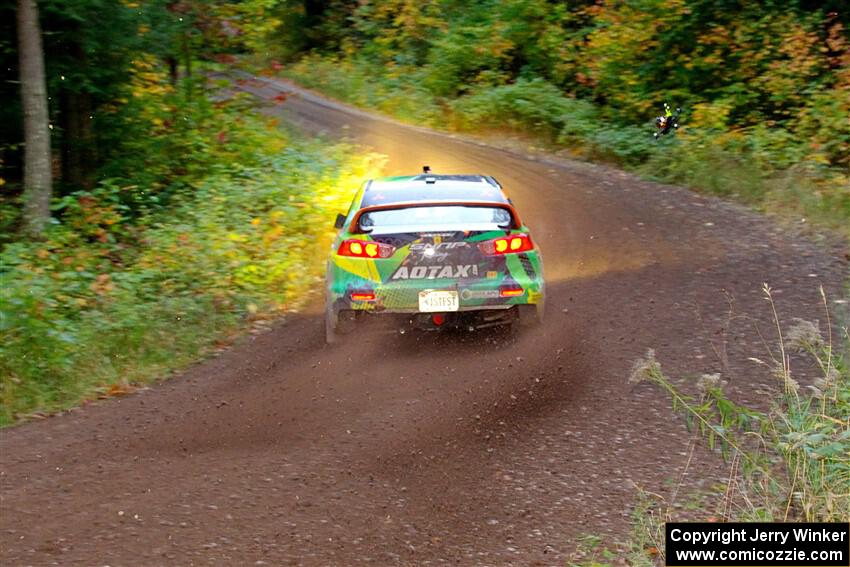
(761, 544)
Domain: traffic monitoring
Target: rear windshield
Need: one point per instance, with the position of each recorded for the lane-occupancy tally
(438, 217)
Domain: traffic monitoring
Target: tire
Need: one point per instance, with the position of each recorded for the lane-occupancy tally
(530, 316)
(539, 310)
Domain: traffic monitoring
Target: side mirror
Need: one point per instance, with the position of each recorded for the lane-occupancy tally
(340, 220)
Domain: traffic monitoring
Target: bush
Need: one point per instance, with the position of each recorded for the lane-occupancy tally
(527, 105)
(395, 90)
(111, 299)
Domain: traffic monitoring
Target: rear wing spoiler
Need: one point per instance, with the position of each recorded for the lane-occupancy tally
(354, 227)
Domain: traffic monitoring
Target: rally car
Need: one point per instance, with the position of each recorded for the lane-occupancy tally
(432, 252)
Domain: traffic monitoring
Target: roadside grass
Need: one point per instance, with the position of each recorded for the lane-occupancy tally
(771, 169)
(642, 548)
(109, 300)
(788, 460)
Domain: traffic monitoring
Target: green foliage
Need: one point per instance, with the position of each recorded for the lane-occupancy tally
(764, 87)
(118, 294)
(92, 53)
(531, 105)
(393, 90)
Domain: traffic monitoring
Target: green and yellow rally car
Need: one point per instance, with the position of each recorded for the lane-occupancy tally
(432, 252)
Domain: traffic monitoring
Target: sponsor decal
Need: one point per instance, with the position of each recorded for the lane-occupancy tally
(437, 246)
(436, 251)
(436, 272)
(479, 293)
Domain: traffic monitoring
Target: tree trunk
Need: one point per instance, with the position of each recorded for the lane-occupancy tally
(77, 146)
(187, 57)
(37, 167)
(172, 69)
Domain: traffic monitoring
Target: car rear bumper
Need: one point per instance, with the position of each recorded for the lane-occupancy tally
(393, 299)
(472, 319)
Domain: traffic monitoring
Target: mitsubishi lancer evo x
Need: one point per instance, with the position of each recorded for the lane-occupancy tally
(432, 252)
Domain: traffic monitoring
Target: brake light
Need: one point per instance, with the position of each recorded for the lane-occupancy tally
(365, 249)
(507, 245)
(363, 296)
(511, 291)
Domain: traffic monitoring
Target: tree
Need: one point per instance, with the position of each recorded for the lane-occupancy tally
(37, 167)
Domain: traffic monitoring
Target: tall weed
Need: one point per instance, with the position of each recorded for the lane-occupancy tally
(790, 461)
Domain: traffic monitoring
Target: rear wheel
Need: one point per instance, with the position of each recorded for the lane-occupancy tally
(529, 316)
(338, 323)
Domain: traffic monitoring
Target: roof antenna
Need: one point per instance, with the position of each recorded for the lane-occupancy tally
(426, 169)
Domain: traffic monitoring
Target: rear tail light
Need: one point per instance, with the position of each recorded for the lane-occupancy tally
(507, 245)
(363, 296)
(365, 249)
(511, 291)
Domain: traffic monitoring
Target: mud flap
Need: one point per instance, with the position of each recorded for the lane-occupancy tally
(338, 323)
(331, 321)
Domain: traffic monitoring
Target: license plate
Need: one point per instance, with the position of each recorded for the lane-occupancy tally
(433, 301)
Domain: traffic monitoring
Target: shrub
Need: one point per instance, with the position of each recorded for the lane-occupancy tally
(395, 90)
(110, 299)
(527, 105)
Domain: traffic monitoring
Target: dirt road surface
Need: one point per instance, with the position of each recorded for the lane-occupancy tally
(470, 449)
